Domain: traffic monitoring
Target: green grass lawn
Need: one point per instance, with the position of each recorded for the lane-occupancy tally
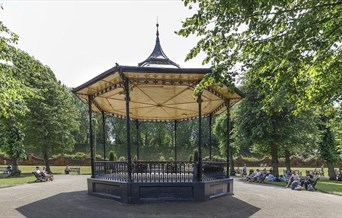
(85, 170)
(302, 170)
(27, 176)
(323, 185)
(9, 181)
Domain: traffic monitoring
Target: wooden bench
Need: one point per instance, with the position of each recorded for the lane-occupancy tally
(75, 169)
(4, 170)
(299, 173)
(39, 177)
(42, 177)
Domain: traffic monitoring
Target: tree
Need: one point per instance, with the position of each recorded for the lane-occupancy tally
(327, 144)
(220, 131)
(291, 44)
(270, 132)
(52, 117)
(13, 95)
(12, 142)
(12, 90)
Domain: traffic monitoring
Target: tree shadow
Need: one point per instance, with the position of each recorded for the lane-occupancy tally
(80, 204)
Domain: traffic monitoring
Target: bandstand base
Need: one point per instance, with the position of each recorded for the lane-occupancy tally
(136, 192)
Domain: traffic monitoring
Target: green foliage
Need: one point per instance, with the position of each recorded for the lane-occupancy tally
(191, 158)
(112, 156)
(196, 155)
(293, 46)
(156, 138)
(11, 138)
(162, 158)
(215, 158)
(78, 156)
(52, 118)
(327, 144)
(13, 91)
(122, 158)
(220, 131)
(255, 127)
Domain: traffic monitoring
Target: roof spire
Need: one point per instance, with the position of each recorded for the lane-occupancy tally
(157, 25)
(158, 57)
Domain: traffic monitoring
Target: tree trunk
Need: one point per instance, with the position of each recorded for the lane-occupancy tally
(15, 169)
(331, 171)
(46, 158)
(287, 160)
(275, 161)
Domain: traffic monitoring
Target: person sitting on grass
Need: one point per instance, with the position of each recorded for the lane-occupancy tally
(339, 178)
(309, 179)
(270, 177)
(293, 178)
(251, 176)
(282, 178)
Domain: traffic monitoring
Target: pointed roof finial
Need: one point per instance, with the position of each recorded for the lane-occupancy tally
(158, 57)
(157, 25)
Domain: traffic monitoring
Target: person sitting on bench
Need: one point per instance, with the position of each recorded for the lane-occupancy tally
(47, 176)
(67, 169)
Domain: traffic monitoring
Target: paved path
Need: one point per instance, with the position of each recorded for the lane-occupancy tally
(66, 196)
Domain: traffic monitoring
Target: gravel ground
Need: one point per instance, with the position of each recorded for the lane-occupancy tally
(67, 196)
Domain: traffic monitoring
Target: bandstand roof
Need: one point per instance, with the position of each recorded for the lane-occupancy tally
(159, 90)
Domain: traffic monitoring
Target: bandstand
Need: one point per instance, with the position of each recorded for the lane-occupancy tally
(157, 90)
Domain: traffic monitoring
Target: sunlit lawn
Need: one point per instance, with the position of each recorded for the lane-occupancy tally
(9, 181)
(323, 184)
(28, 177)
(281, 169)
(55, 169)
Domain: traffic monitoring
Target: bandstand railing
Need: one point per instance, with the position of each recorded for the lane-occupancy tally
(159, 171)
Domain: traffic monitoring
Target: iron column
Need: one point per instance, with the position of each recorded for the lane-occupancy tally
(199, 169)
(91, 140)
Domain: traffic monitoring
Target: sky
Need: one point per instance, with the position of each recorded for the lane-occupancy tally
(80, 39)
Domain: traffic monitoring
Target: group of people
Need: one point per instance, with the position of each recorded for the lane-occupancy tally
(43, 173)
(297, 183)
(257, 176)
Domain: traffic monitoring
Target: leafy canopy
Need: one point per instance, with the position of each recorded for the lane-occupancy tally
(12, 90)
(294, 46)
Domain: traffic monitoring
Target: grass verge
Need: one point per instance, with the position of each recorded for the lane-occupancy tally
(323, 185)
(27, 176)
(13, 181)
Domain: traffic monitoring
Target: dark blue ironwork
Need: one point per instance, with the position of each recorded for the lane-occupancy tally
(159, 171)
(157, 57)
(210, 124)
(175, 138)
(138, 134)
(228, 137)
(104, 134)
(91, 140)
(199, 170)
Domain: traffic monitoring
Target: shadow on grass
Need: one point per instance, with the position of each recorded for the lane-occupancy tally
(80, 204)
